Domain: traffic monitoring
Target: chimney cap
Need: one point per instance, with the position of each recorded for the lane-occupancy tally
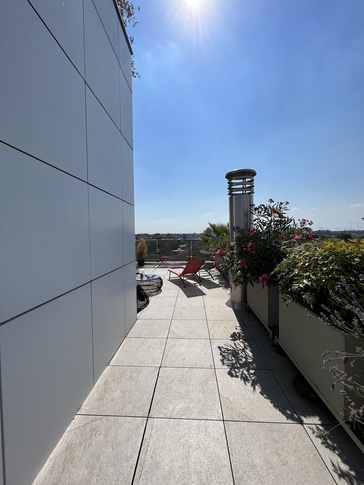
(240, 173)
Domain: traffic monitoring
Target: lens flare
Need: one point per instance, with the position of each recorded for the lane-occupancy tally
(194, 3)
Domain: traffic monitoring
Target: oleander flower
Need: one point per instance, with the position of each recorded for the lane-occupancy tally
(257, 250)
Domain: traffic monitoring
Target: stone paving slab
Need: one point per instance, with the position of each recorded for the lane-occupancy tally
(95, 450)
(122, 391)
(254, 395)
(305, 402)
(186, 393)
(229, 329)
(188, 329)
(140, 352)
(271, 454)
(150, 329)
(339, 453)
(168, 410)
(237, 357)
(184, 452)
(188, 353)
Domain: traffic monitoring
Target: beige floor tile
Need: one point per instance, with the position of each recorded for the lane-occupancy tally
(167, 292)
(255, 396)
(140, 352)
(189, 313)
(222, 301)
(304, 400)
(238, 357)
(272, 454)
(150, 328)
(167, 301)
(95, 450)
(220, 313)
(122, 391)
(188, 329)
(274, 355)
(191, 293)
(186, 393)
(217, 288)
(256, 329)
(192, 302)
(188, 353)
(156, 313)
(228, 329)
(184, 452)
(342, 457)
(189, 282)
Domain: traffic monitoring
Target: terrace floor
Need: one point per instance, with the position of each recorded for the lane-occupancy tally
(198, 394)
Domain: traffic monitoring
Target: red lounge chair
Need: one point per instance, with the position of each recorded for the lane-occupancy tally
(192, 267)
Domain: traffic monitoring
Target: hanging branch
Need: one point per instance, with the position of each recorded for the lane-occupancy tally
(127, 12)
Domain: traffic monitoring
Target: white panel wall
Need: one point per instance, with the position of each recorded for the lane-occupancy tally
(127, 172)
(42, 96)
(110, 21)
(106, 232)
(104, 148)
(107, 299)
(44, 250)
(1, 451)
(126, 111)
(67, 279)
(102, 67)
(65, 22)
(129, 295)
(129, 231)
(124, 58)
(44, 380)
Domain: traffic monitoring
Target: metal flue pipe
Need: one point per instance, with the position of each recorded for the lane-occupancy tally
(240, 191)
(241, 194)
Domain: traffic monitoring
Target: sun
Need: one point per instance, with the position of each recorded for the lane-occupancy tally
(196, 21)
(195, 4)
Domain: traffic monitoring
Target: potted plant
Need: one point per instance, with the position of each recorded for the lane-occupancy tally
(141, 251)
(257, 250)
(308, 278)
(309, 271)
(351, 325)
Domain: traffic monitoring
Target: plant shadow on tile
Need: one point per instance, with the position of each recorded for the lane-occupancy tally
(246, 363)
(341, 455)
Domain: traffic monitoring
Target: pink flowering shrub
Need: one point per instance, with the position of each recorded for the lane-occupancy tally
(257, 250)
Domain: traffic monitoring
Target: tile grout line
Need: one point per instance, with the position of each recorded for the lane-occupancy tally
(219, 396)
(152, 398)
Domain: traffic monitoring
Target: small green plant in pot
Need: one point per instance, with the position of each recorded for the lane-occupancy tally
(141, 251)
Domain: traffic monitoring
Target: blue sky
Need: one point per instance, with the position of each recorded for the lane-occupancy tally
(272, 85)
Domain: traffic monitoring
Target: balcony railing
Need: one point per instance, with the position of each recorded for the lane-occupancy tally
(178, 250)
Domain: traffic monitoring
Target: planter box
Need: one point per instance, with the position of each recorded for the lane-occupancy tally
(304, 338)
(264, 302)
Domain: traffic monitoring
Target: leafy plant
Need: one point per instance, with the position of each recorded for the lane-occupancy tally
(216, 235)
(127, 13)
(310, 271)
(256, 251)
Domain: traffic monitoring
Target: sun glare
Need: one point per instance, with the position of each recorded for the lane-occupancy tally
(194, 3)
(196, 20)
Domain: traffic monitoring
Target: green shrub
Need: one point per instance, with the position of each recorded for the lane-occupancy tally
(310, 271)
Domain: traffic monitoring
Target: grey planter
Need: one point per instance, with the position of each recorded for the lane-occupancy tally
(264, 302)
(304, 338)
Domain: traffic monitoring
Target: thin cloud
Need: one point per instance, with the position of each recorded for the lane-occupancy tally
(355, 206)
